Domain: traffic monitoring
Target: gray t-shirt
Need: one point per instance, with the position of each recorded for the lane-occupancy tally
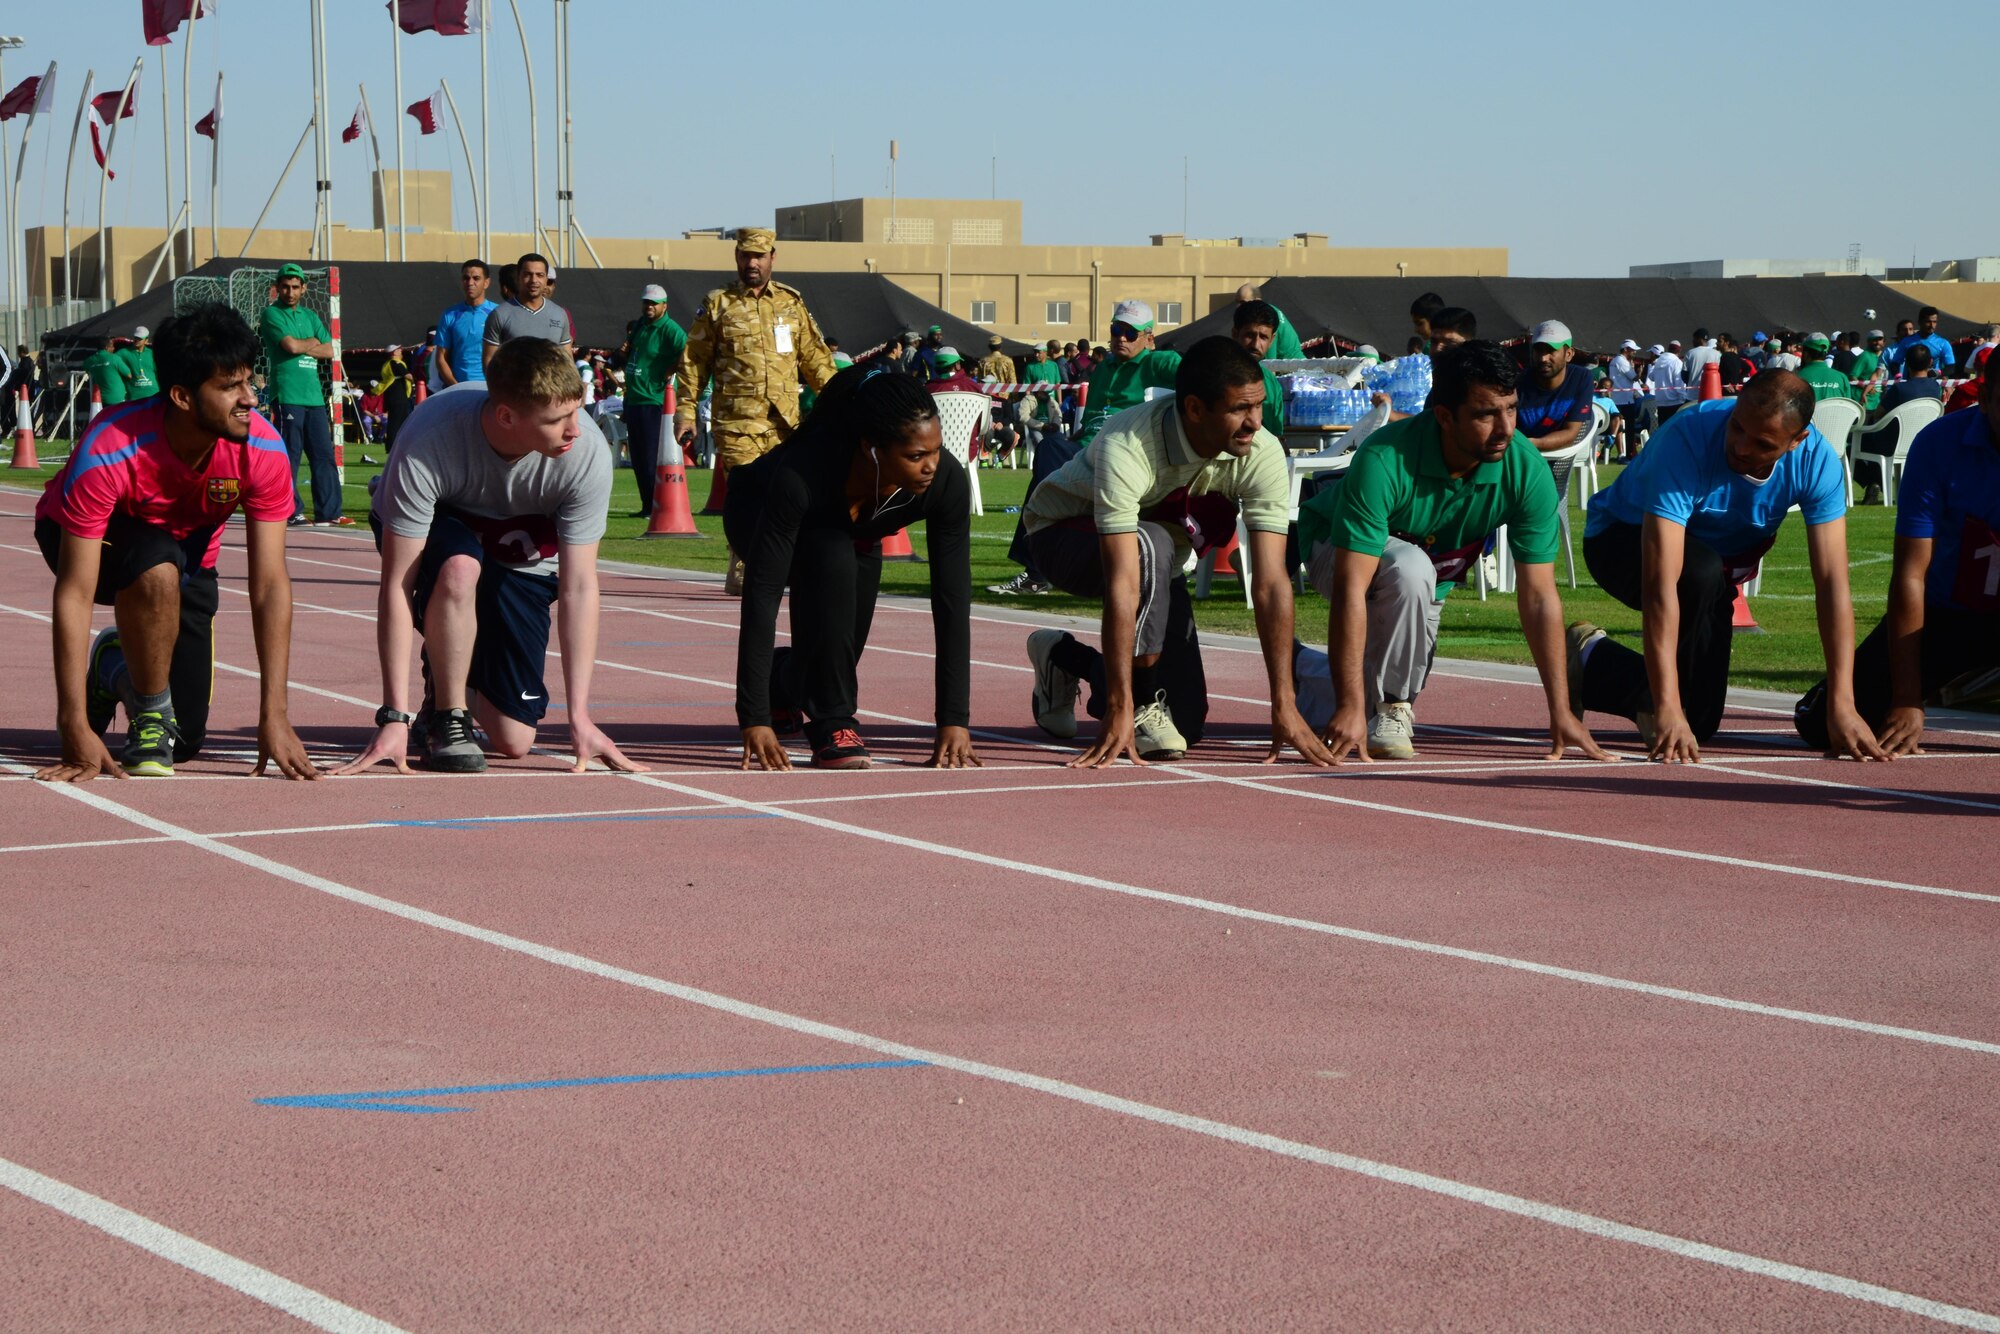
(511, 319)
(521, 510)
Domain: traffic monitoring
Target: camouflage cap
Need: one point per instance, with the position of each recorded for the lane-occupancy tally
(756, 240)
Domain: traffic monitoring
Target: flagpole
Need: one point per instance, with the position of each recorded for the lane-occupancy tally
(17, 234)
(396, 47)
(167, 158)
(319, 167)
(69, 165)
(465, 147)
(8, 210)
(325, 137)
(215, 177)
(375, 142)
(290, 162)
(562, 104)
(485, 138)
(534, 131)
(569, 139)
(104, 180)
(187, 132)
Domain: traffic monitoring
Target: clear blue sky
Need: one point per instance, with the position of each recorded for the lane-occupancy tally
(1581, 142)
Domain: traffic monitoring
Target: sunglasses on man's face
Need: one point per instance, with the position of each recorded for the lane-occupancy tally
(1124, 331)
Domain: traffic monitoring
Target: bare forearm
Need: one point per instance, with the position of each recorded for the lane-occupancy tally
(1560, 439)
(1541, 625)
(1346, 638)
(271, 625)
(1120, 633)
(1836, 636)
(1662, 620)
(72, 651)
(1906, 637)
(1273, 593)
(393, 636)
(576, 631)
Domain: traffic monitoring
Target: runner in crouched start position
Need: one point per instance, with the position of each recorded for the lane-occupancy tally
(811, 515)
(489, 512)
(134, 521)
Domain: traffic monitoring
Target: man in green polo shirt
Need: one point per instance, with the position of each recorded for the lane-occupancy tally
(1119, 521)
(1133, 367)
(652, 360)
(141, 380)
(1410, 516)
(1254, 326)
(1867, 369)
(1826, 382)
(1284, 345)
(107, 373)
(295, 342)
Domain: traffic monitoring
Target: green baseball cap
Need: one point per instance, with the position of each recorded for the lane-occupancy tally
(292, 271)
(946, 356)
(937, 328)
(1818, 342)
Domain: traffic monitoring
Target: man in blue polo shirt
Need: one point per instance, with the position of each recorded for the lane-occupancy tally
(461, 331)
(1925, 336)
(1672, 538)
(1943, 624)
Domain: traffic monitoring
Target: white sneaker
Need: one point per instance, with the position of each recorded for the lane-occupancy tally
(1055, 693)
(1154, 731)
(1391, 733)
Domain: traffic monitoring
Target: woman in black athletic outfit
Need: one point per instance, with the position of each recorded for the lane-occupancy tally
(811, 516)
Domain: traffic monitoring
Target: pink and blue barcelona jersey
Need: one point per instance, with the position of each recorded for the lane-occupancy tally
(124, 466)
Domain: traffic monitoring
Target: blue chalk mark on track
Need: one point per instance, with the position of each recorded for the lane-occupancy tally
(395, 1100)
(487, 822)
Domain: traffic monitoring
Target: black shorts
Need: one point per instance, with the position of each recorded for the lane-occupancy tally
(132, 547)
(511, 647)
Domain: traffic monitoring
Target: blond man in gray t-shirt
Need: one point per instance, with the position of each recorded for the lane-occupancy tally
(488, 515)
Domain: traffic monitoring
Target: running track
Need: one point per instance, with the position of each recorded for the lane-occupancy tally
(1476, 1041)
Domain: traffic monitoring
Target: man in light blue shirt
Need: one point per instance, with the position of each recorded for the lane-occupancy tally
(1677, 533)
(1925, 336)
(461, 331)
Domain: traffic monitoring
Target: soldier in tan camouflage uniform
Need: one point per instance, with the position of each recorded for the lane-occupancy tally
(997, 365)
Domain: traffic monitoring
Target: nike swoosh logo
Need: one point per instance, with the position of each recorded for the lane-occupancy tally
(526, 695)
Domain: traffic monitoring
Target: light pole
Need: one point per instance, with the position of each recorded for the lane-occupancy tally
(15, 301)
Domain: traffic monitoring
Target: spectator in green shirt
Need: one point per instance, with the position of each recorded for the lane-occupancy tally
(1412, 513)
(1133, 367)
(107, 373)
(652, 360)
(1284, 345)
(1826, 382)
(1868, 370)
(1254, 328)
(141, 381)
(295, 342)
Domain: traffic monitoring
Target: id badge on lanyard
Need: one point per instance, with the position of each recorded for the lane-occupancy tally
(781, 337)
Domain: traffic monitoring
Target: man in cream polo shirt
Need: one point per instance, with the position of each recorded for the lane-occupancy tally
(1118, 522)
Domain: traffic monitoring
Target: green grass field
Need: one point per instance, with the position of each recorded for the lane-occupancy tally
(1786, 657)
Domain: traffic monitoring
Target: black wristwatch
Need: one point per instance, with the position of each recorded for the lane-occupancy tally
(386, 715)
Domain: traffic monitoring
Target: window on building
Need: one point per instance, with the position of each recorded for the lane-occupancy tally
(1170, 313)
(982, 312)
(1055, 312)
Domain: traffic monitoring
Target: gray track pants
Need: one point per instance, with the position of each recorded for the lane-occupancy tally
(1403, 614)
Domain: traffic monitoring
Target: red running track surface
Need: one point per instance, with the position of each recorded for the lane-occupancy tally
(1476, 1040)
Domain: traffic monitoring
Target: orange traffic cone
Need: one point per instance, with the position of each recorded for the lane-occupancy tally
(24, 434)
(423, 392)
(718, 489)
(671, 514)
(896, 546)
(96, 404)
(1740, 619)
(1711, 381)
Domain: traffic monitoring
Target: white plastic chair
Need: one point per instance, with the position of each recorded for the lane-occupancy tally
(1911, 417)
(964, 417)
(1836, 419)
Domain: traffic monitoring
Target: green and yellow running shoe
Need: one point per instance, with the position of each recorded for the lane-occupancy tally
(107, 659)
(149, 745)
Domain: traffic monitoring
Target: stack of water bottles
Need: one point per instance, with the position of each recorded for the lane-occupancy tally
(1313, 402)
(1407, 381)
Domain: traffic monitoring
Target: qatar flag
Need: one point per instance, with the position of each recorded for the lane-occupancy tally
(353, 130)
(427, 112)
(164, 17)
(104, 110)
(33, 96)
(448, 18)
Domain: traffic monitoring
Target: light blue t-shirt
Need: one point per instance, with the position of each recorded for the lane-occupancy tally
(1950, 494)
(1683, 475)
(462, 338)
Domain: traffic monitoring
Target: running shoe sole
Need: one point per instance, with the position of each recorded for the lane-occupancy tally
(1058, 719)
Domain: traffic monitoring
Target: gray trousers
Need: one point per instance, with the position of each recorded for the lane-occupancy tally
(1403, 614)
(1070, 559)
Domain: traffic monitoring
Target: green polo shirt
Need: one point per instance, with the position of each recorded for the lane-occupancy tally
(1865, 366)
(141, 380)
(1042, 372)
(294, 380)
(107, 372)
(654, 360)
(1398, 486)
(1285, 345)
(1117, 385)
(1827, 382)
(1143, 457)
(1274, 405)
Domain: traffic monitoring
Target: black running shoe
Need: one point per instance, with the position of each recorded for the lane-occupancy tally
(149, 745)
(843, 750)
(107, 658)
(452, 747)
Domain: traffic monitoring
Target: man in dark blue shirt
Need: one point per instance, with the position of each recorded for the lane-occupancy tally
(1554, 397)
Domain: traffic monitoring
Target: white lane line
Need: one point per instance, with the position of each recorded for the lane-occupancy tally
(1520, 1206)
(1900, 794)
(273, 1290)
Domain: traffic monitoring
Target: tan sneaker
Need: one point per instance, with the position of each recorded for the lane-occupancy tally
(732, 583)
(1154, 731)
(1392, 733)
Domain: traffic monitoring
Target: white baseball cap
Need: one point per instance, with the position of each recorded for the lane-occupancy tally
(1550, 333)
(655, 293)
(1135, 313)
(1657, 350)
(1628, 346)
(142, 332)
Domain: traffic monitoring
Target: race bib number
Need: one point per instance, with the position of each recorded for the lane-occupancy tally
(1450, 565)
(1742, 568)
(781, 336)
(1977, 587)
(527, 540)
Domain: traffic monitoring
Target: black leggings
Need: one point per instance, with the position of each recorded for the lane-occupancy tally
(1954, 643)
(1614, 679)
(834, 582)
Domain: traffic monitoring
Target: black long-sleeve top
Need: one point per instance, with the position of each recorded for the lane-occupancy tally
(803, 484)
